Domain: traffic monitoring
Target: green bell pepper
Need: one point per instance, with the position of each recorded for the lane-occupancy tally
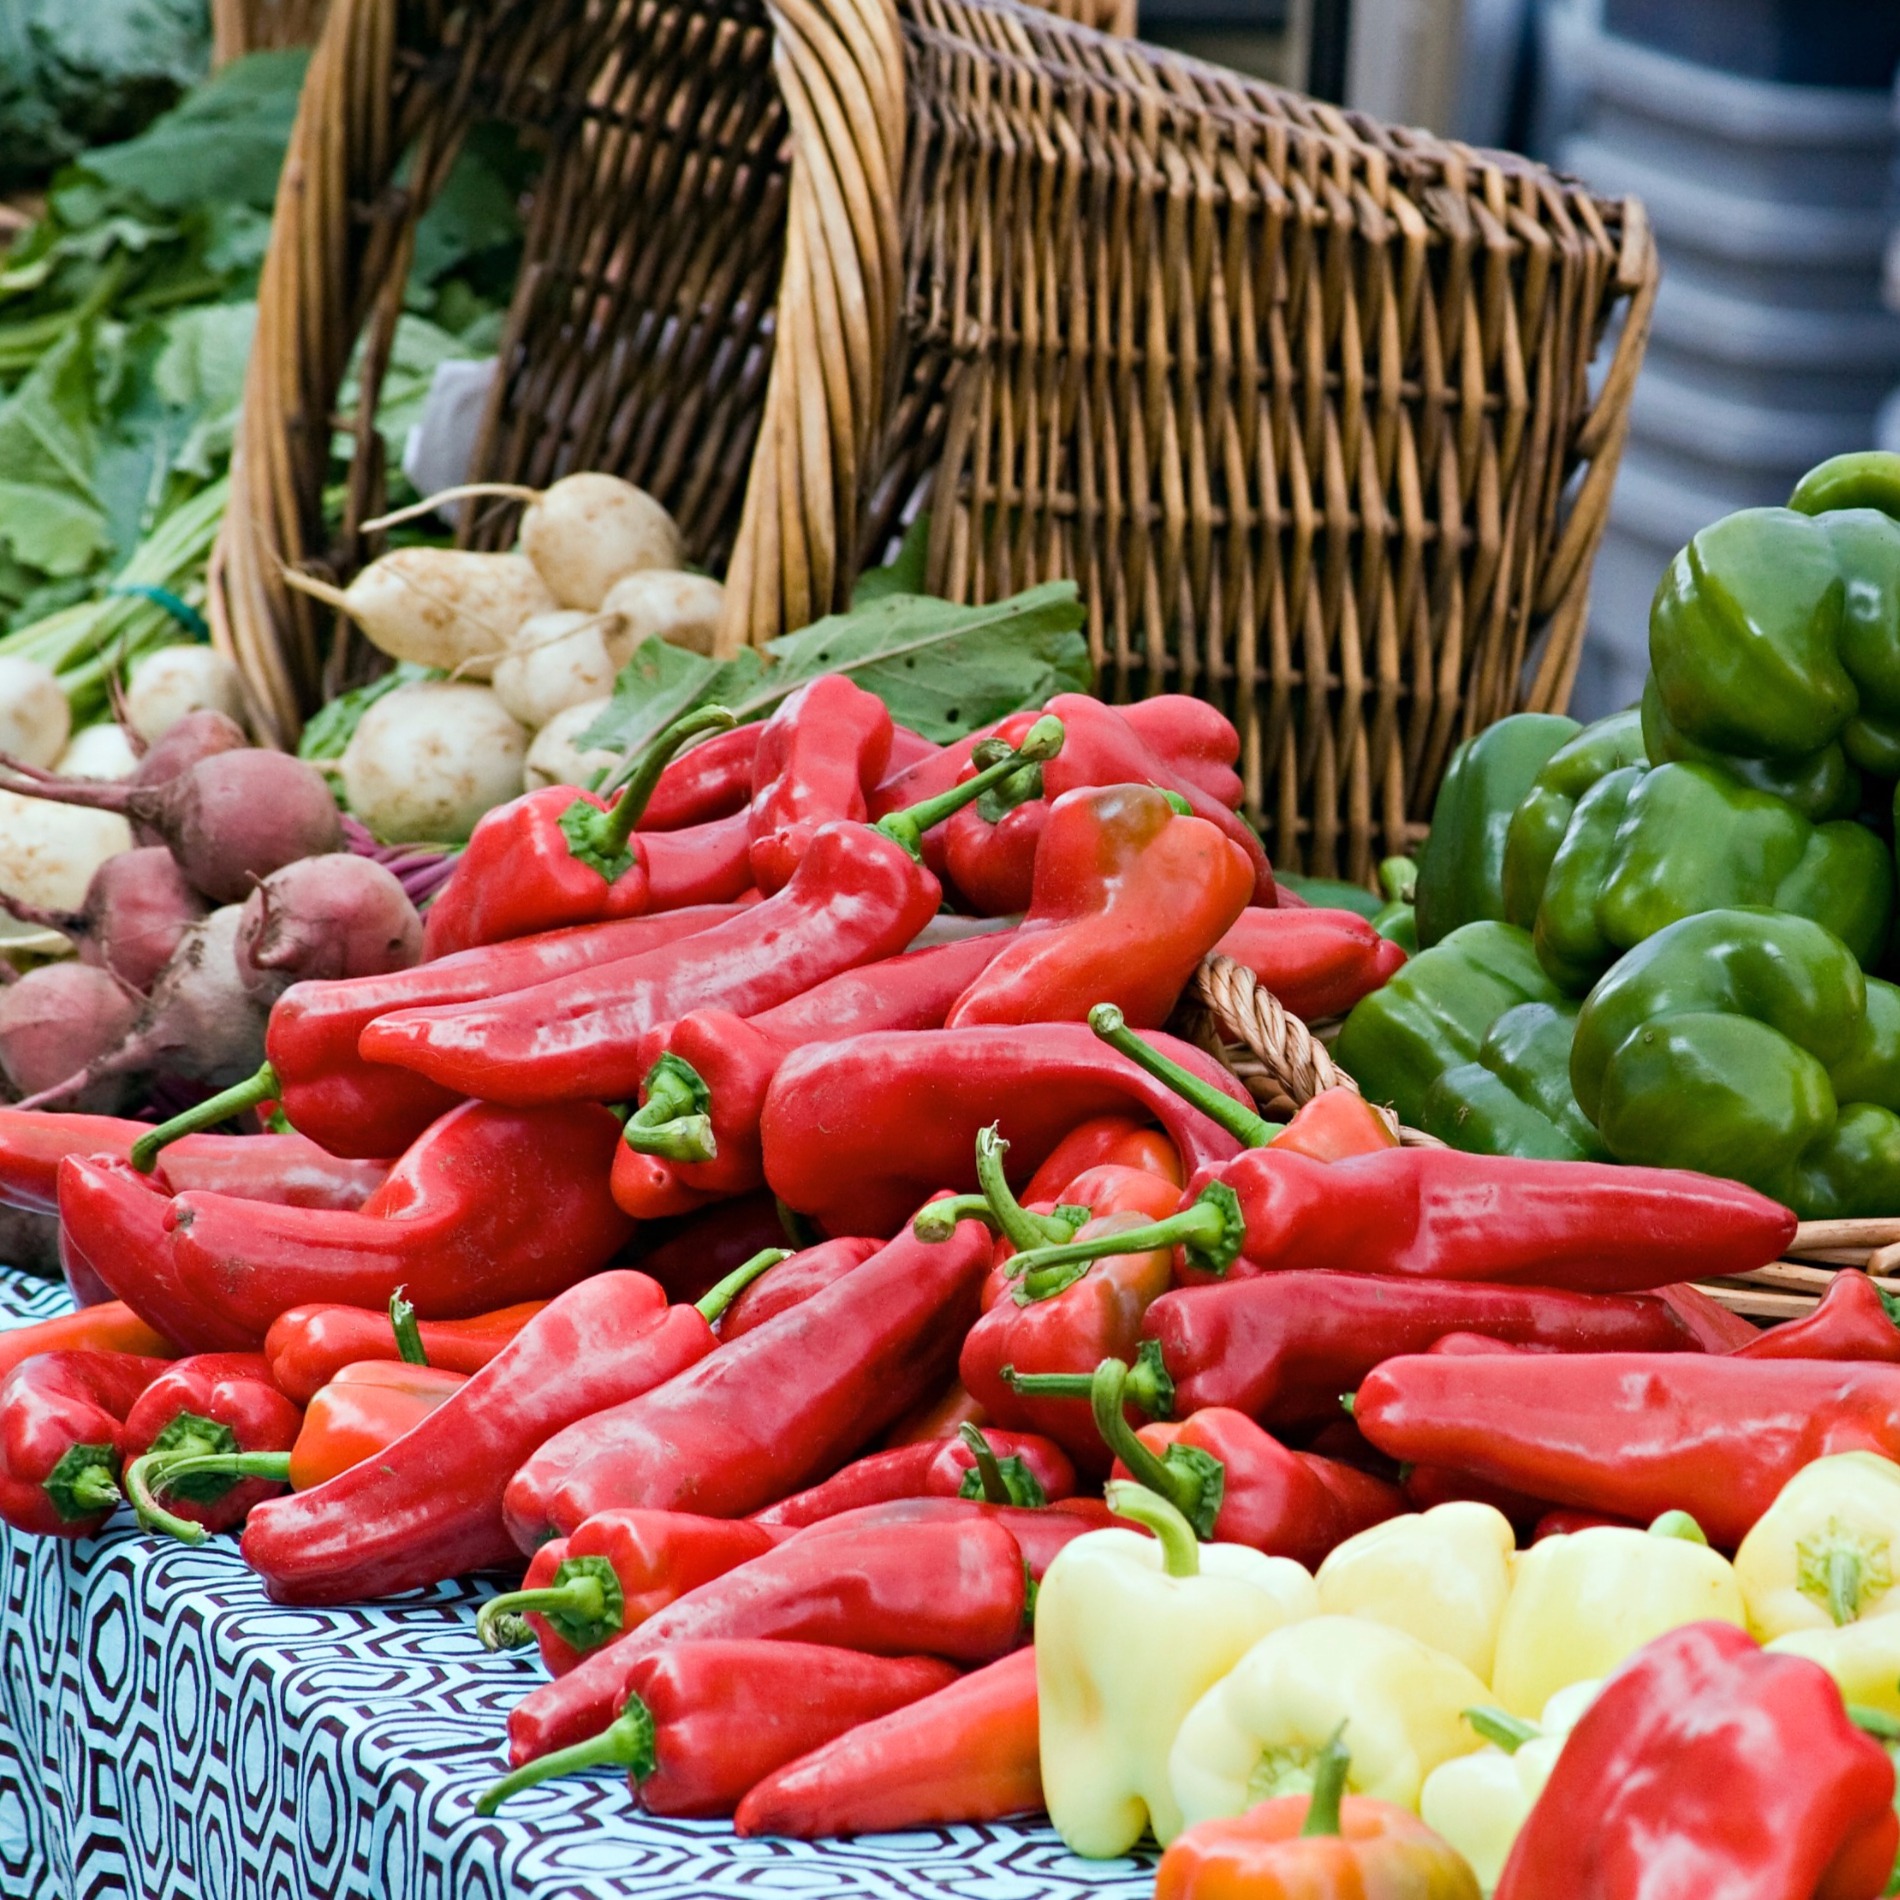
(1538, 825)
(1646, 848)
(1747, 1043)
(1515, 1098)
(1435, 1013)
(1461, 864)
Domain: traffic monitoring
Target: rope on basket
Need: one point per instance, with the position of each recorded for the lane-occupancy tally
(1241, 1023)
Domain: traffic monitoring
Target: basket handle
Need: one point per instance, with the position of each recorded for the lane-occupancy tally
(840, 69)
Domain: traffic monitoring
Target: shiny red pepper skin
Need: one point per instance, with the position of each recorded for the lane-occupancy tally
(1040, 1532)
(1317, 963)
(332, 1093)
(736, 1058)
(859, 1134)
(289, 1169)
(772, 1410)
(1127, 897)
(1708, 1769)
(109, 1327)
(1104, 1141)
(820, 754)
(1632, 1434)
(858, 896)
(952, 1589)
(993, 864)
(213, 1402)
(968, 1753)
(1111, 1192)
(1198, 740)
(431, 1506)
(916, 1471)
(1282, 1347)
(690, 1256)
(1853, 1320)
(711, 779)
(309, 1345)
(793, 1282)
(62, 1424)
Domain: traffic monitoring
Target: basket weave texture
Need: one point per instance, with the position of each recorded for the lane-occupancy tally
(1304, 403)
(255, 26)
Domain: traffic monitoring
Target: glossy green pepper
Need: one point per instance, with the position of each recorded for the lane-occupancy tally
(1461, 863)
(1774, 642)
(1645, 848)
(1435, 1013)
(1538, 825)
(1748, 1043)
(1515, 1097)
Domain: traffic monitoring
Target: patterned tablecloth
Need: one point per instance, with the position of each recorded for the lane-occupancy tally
(165, 1732)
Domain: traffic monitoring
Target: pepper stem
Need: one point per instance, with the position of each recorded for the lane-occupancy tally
(1875, 1722)
(674, 1122)
(584, 1600)
(937, 1221)
(627, 1742)
(146, 1477)
(1180, 1552)
(1149, 1388)
(1022, 1229)
(1329, 1786)
(1242, 1123)
(602, 839)
(1040, 743)
(1190, 1480)
(1211, 1227)
(1679, 1524)
(1509, 1732)
(402, 1319)
(207, 1114)
(998, 1480)
(713, 1303)
(1843, 1586)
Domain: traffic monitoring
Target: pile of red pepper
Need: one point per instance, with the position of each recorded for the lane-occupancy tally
(775, 1208)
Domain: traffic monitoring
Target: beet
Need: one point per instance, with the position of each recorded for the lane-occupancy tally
(229, 819)
(58, 1021)
(138, 907)
(333, 916)
(199, 735)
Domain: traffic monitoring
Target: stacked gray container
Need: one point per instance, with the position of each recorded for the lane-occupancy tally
(1771, 347)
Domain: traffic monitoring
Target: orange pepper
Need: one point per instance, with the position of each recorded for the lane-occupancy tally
(364, 1409)
(1334, 1124)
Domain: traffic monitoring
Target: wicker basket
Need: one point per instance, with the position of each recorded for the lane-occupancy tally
(254, 26)
(1304, 403)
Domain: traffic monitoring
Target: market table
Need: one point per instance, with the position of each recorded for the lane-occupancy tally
(167, 1732)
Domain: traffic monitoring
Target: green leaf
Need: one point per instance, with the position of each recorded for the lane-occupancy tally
(943, 670)
(476, 211)
(334, 725)
(904, 575)
(57, 533)
(50, 511)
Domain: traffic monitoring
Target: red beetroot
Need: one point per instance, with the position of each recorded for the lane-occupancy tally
(58, 1021)
(137, 909)
(323, 918)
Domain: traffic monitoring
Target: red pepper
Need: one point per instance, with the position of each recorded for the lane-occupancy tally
(858, 1134)
(998, 1468)
(821, 752)
(1197, 740)
(860, 894)
(707, 1075)
(1316, 963)
(289, 1169)
(1107, 1193)
(62, 1433)
(1128, 897)
(1335, 1125)
(1427, 1486)
(431, 1507)
(1566, 1523)
(1439, 1214)
(770, 1411)
(941, 1416)
(1710, 1324)
(712, 778)
(210, 1403)
(802, 1276)
(326, 1087)
(560, 856)
(309, 1345)
(1854, 1319)
(618, 1569)
(690, 1255)
(968, 1753)
(704, 1721)
(954, 1589)
(1633, 1434)
(1104, 1141)
(990, 849)
(1041, 1532)
(1708, 1768)
(111, 1326)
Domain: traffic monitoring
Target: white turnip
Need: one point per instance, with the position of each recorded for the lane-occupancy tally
(558, 660)
(35, 719)
(557, 758)
(426, 761)
(173, 682)
(333, 916)
(441, 607)
(137, 909)
(98, 752)
(60, 1020)
(682, 609)
(48, 854)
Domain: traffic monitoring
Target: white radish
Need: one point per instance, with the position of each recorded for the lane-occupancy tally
(323, 918)
(48, 854)
(556, 757)
(426, 761)
(98, 752)
(168, 685)
(59, 1020)
(682, 609)
(35, 720)
(557, 660)
(583, 533)
(443, 607)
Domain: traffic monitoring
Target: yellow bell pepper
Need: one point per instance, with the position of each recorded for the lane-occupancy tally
(1827, 1551)
(1259, 1731)
(1479, 1802)
(1580, 1604)
(1130, 1631)
(1863, 1658)
(1443, 1576)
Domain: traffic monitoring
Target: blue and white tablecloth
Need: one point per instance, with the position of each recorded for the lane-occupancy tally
(167, 1733)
